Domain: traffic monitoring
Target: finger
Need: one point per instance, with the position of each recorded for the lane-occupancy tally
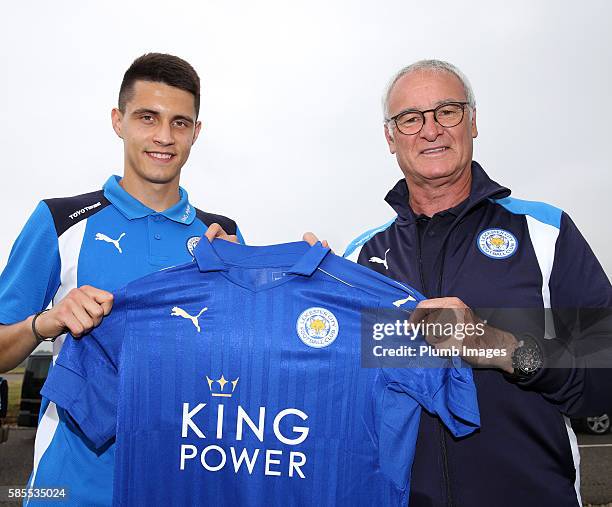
(232, 238)
(107, 306)
(421, 312)
(214, 231)
(433, 303)
(446, 302)
(103, 298)
(85, 322)
(310, 238)
(73, 325)
(97, 294)
(95, 310)
(438, 310)
(96, 302)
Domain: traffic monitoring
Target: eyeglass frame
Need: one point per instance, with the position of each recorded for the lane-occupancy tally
(394, 118)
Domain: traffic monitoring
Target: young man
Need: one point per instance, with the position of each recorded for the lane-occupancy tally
(74, 251)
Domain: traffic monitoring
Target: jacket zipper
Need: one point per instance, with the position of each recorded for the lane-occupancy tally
(445, 474)
(449, 496)
(438, 293)
(418, 236)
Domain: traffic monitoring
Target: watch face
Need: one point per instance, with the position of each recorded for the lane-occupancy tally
(530, 363)
(527, 358)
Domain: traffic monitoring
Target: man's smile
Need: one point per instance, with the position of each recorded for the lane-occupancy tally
(432, 152)
(160, 156)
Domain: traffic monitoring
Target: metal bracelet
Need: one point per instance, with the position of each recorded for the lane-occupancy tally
(39, 338)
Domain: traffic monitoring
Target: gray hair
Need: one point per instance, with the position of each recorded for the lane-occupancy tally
(435, 66)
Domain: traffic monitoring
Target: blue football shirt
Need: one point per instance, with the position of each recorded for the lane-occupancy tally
(236, 380)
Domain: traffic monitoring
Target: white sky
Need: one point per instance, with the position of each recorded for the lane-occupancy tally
(305, 79)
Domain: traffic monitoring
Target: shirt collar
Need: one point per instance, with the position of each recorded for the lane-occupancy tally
(220, 255)
(482, 188)
(130, 207)
(454, 211)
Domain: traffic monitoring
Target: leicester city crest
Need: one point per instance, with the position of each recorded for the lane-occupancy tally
(317, 327)
(192, 243)
(497, 243)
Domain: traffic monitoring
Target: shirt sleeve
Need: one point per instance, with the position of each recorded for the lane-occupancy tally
(446, 390)
(84, 380)
(577, 369)
(32, 274)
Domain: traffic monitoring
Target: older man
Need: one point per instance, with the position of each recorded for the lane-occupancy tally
(460, 239)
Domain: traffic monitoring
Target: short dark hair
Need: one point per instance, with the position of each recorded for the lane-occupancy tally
(160, 68)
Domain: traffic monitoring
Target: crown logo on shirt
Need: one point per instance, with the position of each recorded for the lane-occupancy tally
(222, 382)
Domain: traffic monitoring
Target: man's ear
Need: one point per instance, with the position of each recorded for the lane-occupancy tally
(474, 128)
(389, 138)
(116, 119)
(196, 132)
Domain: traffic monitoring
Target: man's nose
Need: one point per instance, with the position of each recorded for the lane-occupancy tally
(163, 134)
(431, 128)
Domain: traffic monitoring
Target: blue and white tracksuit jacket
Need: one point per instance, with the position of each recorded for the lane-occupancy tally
(500, 252)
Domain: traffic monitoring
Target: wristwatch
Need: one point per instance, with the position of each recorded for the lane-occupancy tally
(527, 358)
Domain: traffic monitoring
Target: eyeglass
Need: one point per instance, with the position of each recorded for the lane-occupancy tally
(410, 122)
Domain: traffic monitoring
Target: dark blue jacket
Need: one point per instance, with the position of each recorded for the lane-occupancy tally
(526, 452)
